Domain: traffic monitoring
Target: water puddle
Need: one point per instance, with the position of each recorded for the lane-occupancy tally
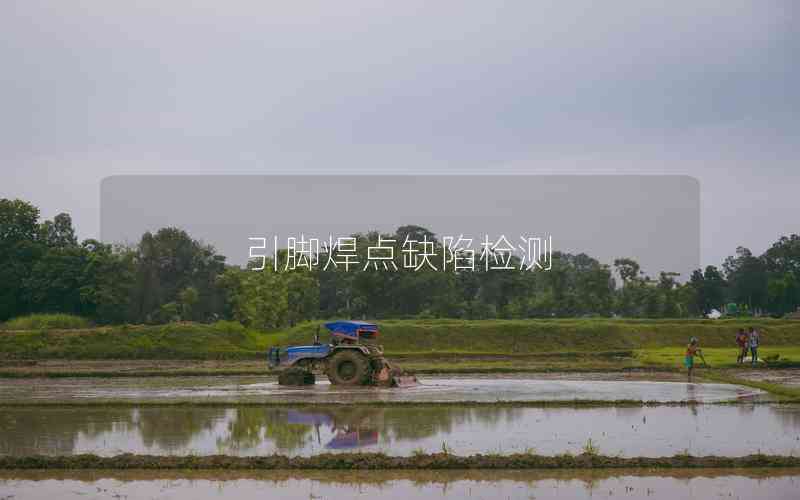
(406, 486)
(431, 389)
(728, 430)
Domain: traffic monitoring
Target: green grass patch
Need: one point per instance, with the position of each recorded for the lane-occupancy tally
(223, 340)
(720, 357)
(655, 342)
(560, 335)
(46, 322)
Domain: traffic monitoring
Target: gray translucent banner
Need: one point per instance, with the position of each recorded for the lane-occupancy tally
(653, 219)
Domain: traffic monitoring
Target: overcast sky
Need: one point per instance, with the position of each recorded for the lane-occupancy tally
(708, 89)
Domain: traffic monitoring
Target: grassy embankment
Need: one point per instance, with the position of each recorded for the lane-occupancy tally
(659, 341)
(426, 345)
(421, 346)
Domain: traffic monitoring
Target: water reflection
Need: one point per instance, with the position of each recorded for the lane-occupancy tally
(399, 430)
(347, 428)
(407, 485)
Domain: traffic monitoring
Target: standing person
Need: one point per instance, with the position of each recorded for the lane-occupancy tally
(753, 339)
(692, 350)
(742, 342)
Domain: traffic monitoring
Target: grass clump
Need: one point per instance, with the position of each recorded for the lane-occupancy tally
(55, 321)
(590, 448)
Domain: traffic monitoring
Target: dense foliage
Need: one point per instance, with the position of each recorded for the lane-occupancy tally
(170, 276)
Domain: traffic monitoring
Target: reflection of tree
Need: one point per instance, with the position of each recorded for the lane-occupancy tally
(172, 428)
(745, 409)
(54, 431)
(253, 425)
(354, 417)
(425, 421)
(630, 412)
(291, 429)
(788, 416)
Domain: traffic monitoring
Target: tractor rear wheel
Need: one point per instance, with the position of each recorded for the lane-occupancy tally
(349, 367)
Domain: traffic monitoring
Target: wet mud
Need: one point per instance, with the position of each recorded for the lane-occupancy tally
(431, 389)
(379, 461)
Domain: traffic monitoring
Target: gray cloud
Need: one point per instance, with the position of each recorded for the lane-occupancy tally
(93, 88)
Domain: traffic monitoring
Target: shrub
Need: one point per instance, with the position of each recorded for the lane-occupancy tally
(590, 448)
(230, 327)
(46, 322)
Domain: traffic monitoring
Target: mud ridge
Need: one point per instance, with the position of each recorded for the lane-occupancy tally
(378, 461)
(577, 404)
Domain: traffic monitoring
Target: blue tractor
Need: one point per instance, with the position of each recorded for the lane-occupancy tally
(351, 358)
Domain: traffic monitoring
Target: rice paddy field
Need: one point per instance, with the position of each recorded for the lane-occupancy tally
(516, 409)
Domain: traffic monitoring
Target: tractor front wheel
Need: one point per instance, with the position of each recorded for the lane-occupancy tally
(349, 367)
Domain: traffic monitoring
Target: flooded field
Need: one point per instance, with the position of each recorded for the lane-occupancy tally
(235, 389)
(787, 377)
(419, 485)
(400, 430)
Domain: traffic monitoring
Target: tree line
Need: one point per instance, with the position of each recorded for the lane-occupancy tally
(169, 276)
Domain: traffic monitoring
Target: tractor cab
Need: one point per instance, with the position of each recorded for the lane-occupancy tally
(352, 332)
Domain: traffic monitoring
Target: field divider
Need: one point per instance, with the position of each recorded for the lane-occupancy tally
(576, 404)
(378, 461)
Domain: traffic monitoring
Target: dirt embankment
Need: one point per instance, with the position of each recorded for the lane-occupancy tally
(375, 461)
(464, 363)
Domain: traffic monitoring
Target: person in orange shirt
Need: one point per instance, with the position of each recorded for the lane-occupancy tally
(692, 350)
(742, 342)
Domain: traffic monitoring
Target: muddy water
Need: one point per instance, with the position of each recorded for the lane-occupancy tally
(431, 389)
(408, 486)
(729, 430)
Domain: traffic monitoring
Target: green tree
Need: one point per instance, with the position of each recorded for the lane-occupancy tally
(258, 299)
(107, 282)
(628, 270)
(168, 262)
(784, 256)
(633, 299)
(19, 251)
(782, 293)
(747, 277)
(55, 280)
(782, 261)
(709, 290)
(302, 289)
(668, 288)
(188, 298)
(58, 233)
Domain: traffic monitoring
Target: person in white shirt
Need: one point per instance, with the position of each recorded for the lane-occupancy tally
(753, 340)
